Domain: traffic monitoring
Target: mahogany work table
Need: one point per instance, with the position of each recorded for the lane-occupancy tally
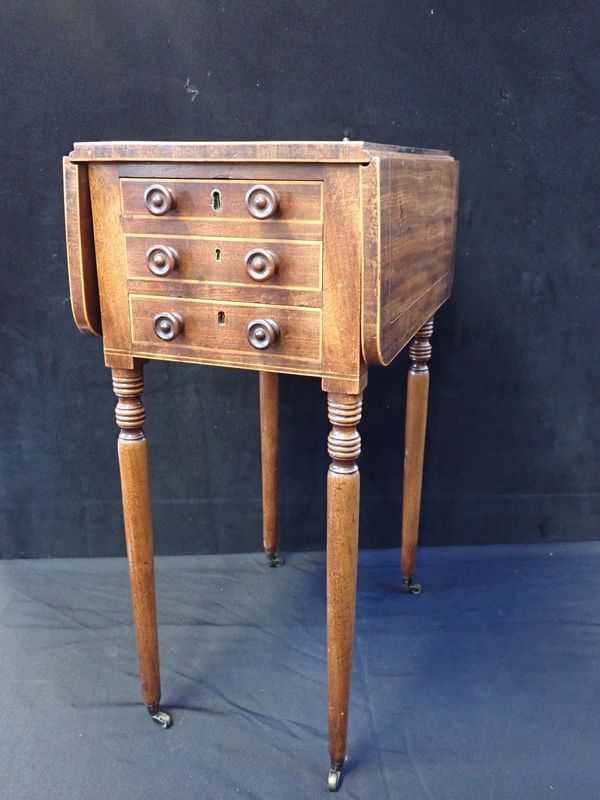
(310, 258)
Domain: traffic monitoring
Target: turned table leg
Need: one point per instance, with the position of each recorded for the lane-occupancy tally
(269, 422)
(343, 495)
(128, 385)
(417, 391)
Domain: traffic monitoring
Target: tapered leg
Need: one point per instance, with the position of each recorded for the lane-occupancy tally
(269, 422)
(343, 496)
(417, 392)
(128, 385)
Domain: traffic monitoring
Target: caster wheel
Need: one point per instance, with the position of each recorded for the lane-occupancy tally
(335, 776)
(161, 717)
(274, 559)
(409, 587)
(333, 780)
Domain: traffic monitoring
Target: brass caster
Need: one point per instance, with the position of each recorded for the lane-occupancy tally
(274, 559)
(409, 587)
(159, 716)
(335, 776)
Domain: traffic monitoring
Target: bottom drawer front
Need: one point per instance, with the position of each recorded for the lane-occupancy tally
(220, 328)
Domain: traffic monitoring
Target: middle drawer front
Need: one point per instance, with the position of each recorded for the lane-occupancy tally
(214, 330)
(246, 262)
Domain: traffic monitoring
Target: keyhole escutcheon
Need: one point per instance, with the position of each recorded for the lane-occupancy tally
(215, 201)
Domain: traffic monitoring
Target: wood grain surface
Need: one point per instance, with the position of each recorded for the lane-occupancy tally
(409, 219)
(81, 258)
(135, 486)
(219, 328)
(417, 392)
(269, 440)
(220, 260)
(343, 500)
(320, 152)
(299, 201)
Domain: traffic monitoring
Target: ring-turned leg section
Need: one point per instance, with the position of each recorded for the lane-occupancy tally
(269, 434)
(417, 392)
(128, 385)
(343, 495)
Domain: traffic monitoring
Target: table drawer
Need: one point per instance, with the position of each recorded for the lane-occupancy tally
(246, 262)
(217, 328)
(287, 201)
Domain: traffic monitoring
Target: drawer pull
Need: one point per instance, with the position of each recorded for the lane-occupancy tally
(261, 201)
(262, 333)
(168, 325)
(159, 199)
(261, 264)
(162, 259)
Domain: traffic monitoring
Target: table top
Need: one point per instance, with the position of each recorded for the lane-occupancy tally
(349, 152)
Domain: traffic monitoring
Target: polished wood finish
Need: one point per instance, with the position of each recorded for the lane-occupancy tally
(343, 368)
(343, 494)
(168, 325)
(111, 266)
(353, 152)
(81, 259)
(308, 258)
(262, 201)
(221, 329)
(194, 199)
(261, 263)
(258, 294)
(128, 385)
(409, 220)
(263, 333)
(217, 261)
(219, 226)
(417, 392)
(269, 440)
(162, 259)
(158, 200)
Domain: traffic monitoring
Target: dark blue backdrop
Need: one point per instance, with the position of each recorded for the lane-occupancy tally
(510, 88)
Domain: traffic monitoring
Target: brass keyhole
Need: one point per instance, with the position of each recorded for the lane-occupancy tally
(221, 318)
(217, 254)
(215, 201)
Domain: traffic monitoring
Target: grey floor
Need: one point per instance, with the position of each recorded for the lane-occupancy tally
(486, 687)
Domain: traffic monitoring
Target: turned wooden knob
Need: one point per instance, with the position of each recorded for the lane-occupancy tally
(159, 199)
(168, 325)
(263, 333)
(261, 201)
(261, 264)
(162, 259)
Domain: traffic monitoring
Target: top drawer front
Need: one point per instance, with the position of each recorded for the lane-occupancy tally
(295, 201)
